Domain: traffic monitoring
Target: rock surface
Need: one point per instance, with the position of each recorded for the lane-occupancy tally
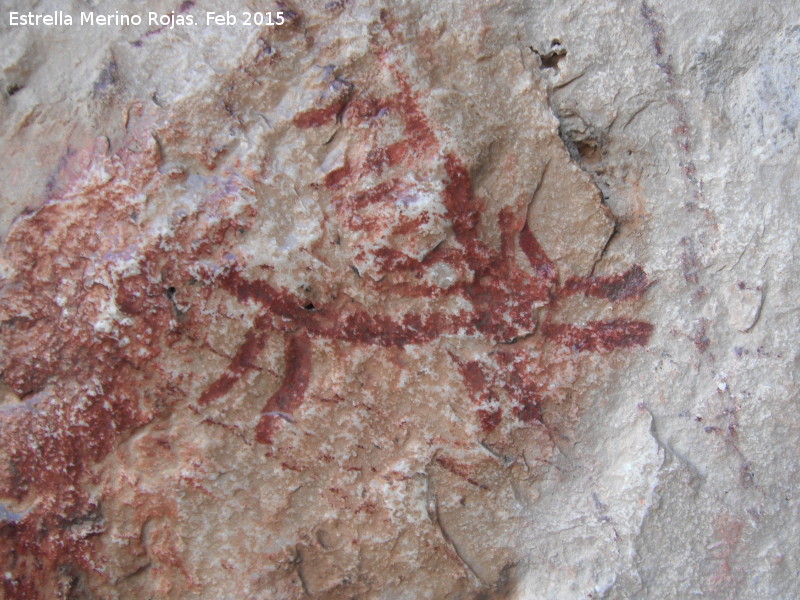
(401, 300)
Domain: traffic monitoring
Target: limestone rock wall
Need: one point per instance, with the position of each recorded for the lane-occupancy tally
(400, 300)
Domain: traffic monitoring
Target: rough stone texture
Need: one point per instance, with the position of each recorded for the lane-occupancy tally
(402, 300)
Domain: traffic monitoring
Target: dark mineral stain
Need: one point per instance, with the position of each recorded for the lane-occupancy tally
(700, 338)
(690, 262)
(656, 30)
(291, 16)
(108, 77)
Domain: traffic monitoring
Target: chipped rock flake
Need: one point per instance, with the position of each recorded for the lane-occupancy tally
(329, 310)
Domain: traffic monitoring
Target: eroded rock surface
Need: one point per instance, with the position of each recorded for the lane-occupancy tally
(361, 306)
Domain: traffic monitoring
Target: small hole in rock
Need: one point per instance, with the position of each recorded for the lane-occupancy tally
(309, 306)
(551, 59)
(588, 150)
(13, 89)
(171, 292)
(553, 56)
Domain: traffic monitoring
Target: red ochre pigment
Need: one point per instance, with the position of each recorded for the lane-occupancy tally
(498, 289)
(95, 384)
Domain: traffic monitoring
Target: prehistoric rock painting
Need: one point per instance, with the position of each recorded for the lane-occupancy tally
(117, 317)
(502, 293)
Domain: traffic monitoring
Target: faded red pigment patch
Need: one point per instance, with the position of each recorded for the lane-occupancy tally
(537, 258)
(511, 379)
(599, 335)
(523, 384)
(316, 117)
(629, 285)
(290, 395)
(81, 392)
(479, 385)
(337, 177)
(464, 471)
(244, 361)
(82, 343)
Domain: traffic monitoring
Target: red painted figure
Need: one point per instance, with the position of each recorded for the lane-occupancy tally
(502, 294)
